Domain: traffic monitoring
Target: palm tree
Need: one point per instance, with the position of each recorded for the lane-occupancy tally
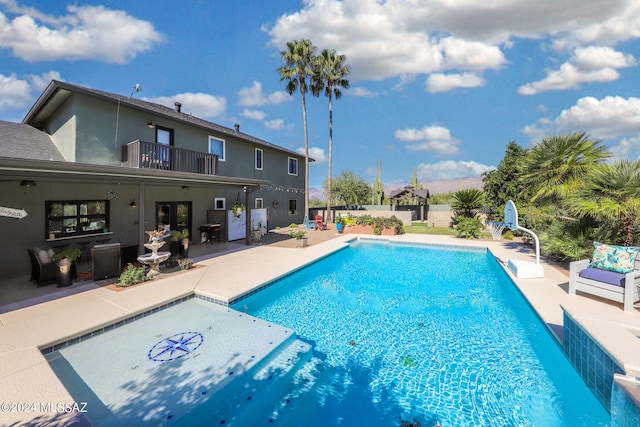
(468, 203)
(611, 196)
(329, 72)
(554, 168)
(298, 59)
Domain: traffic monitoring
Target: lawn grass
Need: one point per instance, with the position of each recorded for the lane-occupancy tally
(424, 228)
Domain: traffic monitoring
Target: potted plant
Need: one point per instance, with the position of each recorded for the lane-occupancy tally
(339, 223)
(183, 238)
(237, 210)
(300, 236)
(256, 232)
(65, 260)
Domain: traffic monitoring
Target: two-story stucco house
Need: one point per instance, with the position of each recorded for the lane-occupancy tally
(88, 166)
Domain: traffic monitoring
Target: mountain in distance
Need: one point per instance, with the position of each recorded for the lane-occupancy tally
(435, 187)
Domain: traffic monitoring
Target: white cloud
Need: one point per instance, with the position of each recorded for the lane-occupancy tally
(360, 91)
(445, 82)
(587, 65)
(436, 139)
(315, 153)
(609, 117)
(392, 39)
(387, 39)
(254, 96)
(17, 93)
(85, 33)
(198, 104)
(627, 148)
(276, 124)
(254, 114)
(450, 169)
(14, 92)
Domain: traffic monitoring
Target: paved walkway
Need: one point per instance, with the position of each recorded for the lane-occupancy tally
(25, 376)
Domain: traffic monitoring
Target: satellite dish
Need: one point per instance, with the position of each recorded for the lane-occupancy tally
(511, 215)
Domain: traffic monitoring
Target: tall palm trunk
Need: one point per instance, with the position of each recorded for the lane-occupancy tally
(306, 155)
(328, 219)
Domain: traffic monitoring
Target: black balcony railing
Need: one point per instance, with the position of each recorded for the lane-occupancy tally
(149, 155)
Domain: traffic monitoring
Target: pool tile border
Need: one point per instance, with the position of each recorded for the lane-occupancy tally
(55, 347)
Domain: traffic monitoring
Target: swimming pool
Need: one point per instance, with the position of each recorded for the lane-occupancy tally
(406, 333)
(374, 334)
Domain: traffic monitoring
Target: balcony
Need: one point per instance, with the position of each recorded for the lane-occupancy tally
(149, 155)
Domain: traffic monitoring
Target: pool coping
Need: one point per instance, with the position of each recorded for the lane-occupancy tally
(25, 376)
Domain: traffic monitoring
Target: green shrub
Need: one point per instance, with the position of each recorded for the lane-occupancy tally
(508, 235)
(297, 234)
(185, 263)
(132, 275)
(468, 227)
(378, 223)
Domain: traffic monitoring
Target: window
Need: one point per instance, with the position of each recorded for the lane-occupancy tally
(259, 155)
(77, 217)
(259, 203)
(293, 166)
(173, 216)
(219, 203)
(217, 147)
(293, 206)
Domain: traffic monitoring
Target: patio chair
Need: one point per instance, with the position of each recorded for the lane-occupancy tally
(43, 268)
(309, 223)
(319, 224)
(593, 277)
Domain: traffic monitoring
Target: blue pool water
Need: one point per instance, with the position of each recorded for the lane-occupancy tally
(419, 334)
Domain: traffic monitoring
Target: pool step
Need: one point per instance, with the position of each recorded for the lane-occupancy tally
(249, 399)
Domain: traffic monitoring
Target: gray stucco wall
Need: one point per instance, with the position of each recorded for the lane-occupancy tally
(29, 232)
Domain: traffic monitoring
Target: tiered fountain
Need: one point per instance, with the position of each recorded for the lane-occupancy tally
(154, 259)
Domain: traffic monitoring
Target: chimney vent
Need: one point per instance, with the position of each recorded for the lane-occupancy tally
(237, 126)
(178, 106)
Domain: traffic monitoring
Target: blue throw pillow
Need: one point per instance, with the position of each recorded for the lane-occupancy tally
(619, 259)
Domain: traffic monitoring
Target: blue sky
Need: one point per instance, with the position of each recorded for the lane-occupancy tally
(439, 86)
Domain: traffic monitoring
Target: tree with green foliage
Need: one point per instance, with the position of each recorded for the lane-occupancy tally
(504, 183)
(350, 189)
(441, 198)
(611, 196)
(556, 167)
(298, 59)
(329, 71)
(468, 203)
(378, 186)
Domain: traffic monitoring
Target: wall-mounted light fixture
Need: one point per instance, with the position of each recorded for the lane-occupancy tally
(27, 183)
(150, 125)
(133, 203)
(185, 187)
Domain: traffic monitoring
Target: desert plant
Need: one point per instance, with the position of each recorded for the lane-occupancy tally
(468, 227)
(131, 275)
(297, 234)
(185, 263)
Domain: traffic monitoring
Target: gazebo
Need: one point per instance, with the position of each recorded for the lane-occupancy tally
(408, 193)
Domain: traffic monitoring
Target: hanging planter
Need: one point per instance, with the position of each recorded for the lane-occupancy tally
(237, 210)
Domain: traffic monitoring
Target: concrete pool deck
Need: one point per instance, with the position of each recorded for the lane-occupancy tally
(26, 378)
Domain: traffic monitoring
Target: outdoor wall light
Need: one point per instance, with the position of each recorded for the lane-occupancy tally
(27, 183)
(150, 124)
(133, 203)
